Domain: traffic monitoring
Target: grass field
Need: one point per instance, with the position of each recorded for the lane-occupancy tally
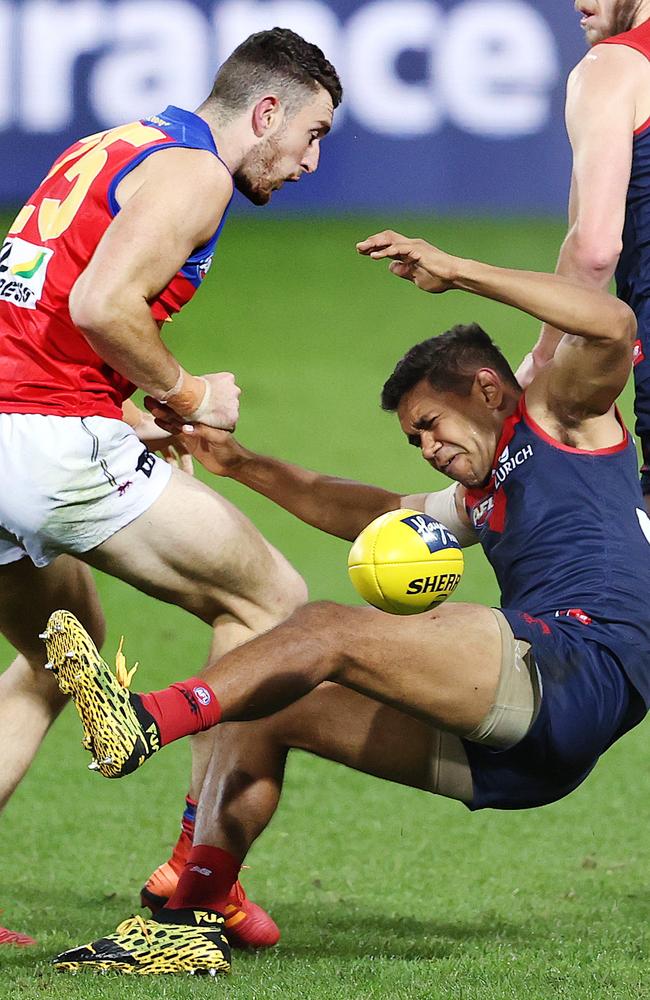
(380, 891)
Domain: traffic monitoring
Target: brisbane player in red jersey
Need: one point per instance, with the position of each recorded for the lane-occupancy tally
(608, 120)
(115, 240)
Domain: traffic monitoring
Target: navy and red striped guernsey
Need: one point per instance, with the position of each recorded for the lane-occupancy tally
(46, 364)
(565, 530)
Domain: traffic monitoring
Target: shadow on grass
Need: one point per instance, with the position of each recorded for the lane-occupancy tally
(338, 932)
(347, 931)
(330, 932)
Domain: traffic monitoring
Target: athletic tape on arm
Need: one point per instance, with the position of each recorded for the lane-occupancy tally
(442, 506)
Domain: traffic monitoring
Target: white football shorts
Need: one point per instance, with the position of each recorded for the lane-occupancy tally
(69, 483)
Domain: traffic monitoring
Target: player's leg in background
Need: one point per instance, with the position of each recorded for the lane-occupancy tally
(194, 549)
(29, 697)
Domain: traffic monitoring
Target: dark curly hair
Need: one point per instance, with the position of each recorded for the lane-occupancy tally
(449, 363)
(278, 59)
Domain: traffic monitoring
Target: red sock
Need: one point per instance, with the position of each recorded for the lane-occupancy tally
(182, 709)
(206, 880)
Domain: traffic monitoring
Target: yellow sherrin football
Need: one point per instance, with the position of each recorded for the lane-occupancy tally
(405, 562)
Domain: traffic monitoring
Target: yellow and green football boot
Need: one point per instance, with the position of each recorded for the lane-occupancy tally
(188, 940)
(117, 729)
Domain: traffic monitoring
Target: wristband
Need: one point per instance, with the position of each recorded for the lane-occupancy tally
(203, 408)
(186, 398)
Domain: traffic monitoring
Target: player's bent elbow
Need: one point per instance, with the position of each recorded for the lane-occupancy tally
(625, 326)
(596, 258)
(93, 312)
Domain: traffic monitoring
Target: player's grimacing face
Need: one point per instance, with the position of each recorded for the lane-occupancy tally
(287, 154)
(605, 18)
(452, 432)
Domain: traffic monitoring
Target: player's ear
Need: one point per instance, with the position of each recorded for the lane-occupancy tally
(489, 387)
(266, 114)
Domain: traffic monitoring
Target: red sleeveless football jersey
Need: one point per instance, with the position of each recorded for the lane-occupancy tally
(46, 363)
(637, 38)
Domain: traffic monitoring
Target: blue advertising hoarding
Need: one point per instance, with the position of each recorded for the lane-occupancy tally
(450, 105)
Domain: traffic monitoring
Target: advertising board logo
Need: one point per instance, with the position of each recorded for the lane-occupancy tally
(23, 267)
(487, 67)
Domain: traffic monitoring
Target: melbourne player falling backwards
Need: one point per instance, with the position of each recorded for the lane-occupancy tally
(546, 480)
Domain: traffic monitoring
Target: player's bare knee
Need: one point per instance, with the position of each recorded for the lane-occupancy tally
(289, 593)
(328, 624)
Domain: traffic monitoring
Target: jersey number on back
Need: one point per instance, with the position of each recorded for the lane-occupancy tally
(55, 215)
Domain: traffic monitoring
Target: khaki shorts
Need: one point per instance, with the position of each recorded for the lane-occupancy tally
(516, 704)
(518, 694)
(69, 483)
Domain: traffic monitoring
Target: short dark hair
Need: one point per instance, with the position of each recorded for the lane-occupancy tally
(275, 58)
(448, 362)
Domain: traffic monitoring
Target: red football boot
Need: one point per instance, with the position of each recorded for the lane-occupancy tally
(247, 924)
(12, 937)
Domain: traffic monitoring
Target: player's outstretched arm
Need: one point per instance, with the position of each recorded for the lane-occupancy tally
(171, 204)
(594, 358)
(600, 117)
(339, 507)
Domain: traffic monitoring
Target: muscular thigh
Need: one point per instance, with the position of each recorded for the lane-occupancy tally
(442, 666)
(195, 549)
(29, 595)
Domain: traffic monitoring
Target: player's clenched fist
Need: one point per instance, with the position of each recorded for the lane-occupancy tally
(220, 404)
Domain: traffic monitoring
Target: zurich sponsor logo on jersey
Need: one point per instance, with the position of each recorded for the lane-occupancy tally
(23, 267)
(507, 463)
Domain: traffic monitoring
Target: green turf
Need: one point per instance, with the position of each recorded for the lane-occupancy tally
(380, 891)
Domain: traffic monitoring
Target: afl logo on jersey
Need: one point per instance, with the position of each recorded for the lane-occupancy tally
(481, 512)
